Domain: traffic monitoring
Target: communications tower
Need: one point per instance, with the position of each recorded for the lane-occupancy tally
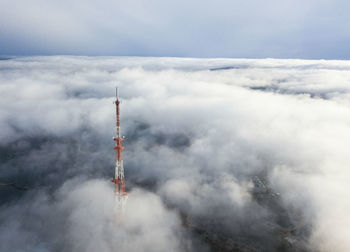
(119, 180)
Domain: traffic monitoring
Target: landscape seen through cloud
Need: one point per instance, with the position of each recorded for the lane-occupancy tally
(220, 154)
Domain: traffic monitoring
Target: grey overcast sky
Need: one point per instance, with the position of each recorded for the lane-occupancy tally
(309, 29)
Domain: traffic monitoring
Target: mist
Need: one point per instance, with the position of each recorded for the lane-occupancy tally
(198, 131)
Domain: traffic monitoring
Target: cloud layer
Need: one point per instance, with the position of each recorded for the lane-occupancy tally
(250, 28)
(197, 132)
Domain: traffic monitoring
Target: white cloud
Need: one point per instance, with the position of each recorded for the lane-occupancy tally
(196, 136)
(81, 218)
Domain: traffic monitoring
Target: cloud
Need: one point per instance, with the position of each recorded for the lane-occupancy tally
(80, 217)
(292, 29)
(195, 138)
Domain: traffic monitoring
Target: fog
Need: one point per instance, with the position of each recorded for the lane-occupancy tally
(197, 131)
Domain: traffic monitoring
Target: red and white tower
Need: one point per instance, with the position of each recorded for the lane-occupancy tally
(119, 180)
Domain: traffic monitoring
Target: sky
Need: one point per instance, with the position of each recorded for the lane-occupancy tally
(312, 29)
(197, 131)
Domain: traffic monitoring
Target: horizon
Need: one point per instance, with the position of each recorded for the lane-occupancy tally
(170, 57)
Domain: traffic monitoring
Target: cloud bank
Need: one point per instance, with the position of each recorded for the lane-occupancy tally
(250, 28)
(197, 133)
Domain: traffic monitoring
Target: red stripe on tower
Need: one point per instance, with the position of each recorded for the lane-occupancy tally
(119, 179)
